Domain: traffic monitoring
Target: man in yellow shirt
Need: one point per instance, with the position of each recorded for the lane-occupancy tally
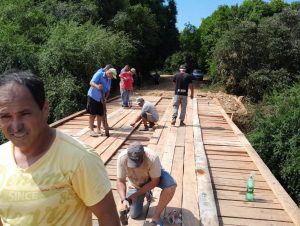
(46, 177)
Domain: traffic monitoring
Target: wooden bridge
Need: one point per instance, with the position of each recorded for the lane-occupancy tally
(209, 157)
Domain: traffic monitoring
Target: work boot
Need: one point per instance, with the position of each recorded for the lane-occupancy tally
(151, 124)
(182, 123)
(173, 121)
(146, 128)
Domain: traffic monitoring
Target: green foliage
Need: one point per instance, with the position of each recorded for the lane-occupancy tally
(16, 51)
(252, 56)
(80, 49)
(260, 82)
(2, 138)
(64, 95)
(141, 25)
(276, 137)
(173, 62)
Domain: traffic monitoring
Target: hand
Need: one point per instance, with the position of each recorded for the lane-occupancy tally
(100, 87)
(126, 204)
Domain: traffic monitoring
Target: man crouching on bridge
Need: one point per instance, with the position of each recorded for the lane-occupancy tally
(46, 176)
(144, 171)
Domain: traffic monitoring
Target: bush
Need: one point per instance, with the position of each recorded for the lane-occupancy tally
(276, 138)
(81, 49)
(264, 81)
(64, 95)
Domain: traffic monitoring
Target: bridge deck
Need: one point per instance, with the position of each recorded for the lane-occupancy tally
(209, 157)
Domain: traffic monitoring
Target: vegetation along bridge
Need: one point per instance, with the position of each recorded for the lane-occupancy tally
(210, 158)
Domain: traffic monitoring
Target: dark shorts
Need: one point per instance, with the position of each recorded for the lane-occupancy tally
(94, 107)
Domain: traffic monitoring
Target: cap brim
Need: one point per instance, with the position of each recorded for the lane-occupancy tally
(134, 163)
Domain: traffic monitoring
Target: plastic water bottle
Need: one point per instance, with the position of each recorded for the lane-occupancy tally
(250, 187)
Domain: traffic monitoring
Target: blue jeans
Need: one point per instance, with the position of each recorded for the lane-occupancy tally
(136, 209)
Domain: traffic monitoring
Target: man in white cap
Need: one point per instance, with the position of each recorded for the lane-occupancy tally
(148, 114)
(142, 167)
(99, 90)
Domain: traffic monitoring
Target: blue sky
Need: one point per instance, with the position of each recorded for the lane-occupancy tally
(193, 11)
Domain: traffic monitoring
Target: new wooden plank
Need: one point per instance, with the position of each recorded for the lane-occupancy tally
(207, 206)
(190, 208)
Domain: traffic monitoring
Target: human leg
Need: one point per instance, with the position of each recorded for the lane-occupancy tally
(168, 186)
(126, 98)
(91, 122)
(176, 102)
(136, 207)
(99, 120)
(144, 121)
(183, 108)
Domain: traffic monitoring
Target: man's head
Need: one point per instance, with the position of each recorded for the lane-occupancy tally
(27, 79)
(23, 109)
(140, 101)
(182, 68)
(108, 66)
(133, 71)
(111, 73)
(135, 153)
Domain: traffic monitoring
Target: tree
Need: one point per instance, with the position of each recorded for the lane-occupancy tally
(140, 24)
(263, 57)
(80, 49)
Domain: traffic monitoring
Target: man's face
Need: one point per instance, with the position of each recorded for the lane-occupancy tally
(109, 74)
(21, 120)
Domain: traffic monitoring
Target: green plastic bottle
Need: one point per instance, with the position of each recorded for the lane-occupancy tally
(250, 188)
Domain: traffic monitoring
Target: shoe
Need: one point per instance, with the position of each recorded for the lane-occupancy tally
(157, 222)
(146, 128)
(182, 123)
(173, 122)
(151, 124)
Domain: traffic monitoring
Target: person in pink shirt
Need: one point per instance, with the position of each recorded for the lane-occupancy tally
(126, 86)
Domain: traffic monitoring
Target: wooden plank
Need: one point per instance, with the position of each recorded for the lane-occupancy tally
(254, 213)
(190, 208)
(288, 204)
(250, 222)
(207, 206)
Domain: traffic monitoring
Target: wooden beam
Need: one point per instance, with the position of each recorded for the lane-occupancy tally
(206, 201)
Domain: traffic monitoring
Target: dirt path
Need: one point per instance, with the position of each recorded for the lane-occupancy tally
(232, 104)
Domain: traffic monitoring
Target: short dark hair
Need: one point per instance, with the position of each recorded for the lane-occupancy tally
(26, 78)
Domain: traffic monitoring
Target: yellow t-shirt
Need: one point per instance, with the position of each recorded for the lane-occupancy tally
(55, 190)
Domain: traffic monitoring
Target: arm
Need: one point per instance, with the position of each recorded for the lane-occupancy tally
(1, 222)
(96, 86)
(192, 90)
(121, 188)
(147, 187)
(106, 211)
(136, 120)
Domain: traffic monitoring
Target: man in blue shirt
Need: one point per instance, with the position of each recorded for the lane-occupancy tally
(98, 92)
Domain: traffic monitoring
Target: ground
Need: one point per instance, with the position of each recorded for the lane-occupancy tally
(230, 103)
